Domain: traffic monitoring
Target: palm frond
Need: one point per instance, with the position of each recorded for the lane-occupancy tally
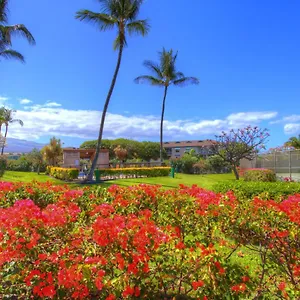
(3, 11)
(17, 121)
(185, 81)
(133, 8)
(19, 29)
(104, 21)
(12, 54)
(138, 27)
(153, 67)
(150, 80)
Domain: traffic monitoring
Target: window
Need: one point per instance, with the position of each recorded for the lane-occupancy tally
(177, 150)
(188, 149)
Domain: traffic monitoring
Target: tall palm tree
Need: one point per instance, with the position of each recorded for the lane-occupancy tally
(122, 15)
(6, 33)
(8, 119)
(164, 74)
(293, 142)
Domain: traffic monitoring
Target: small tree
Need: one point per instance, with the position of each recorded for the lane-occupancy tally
(239, 144)
(53, 152)
(37, 159)
(120, 153)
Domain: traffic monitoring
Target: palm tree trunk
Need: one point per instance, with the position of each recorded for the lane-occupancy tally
(6, 129)
(162, 124)
(111, 89)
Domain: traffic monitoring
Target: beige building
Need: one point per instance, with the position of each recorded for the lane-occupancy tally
(72, 156)
(177, 149)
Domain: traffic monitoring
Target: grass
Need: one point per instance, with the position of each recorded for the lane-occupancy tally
(205, 181)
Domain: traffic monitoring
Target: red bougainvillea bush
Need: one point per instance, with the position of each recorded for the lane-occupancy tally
(143, 242)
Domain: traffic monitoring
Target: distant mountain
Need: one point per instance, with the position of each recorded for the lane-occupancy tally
(21, 146)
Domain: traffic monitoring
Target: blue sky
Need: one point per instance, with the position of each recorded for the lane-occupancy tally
(246, 54)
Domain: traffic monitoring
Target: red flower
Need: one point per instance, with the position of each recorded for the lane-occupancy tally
(282, 286)
(197, 284)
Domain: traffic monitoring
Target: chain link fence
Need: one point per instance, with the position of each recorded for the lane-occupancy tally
(283, 163)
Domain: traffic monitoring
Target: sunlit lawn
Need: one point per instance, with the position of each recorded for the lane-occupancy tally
(205, 181)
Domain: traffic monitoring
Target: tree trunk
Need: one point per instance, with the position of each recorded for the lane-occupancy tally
(6, 129)
(94, 163)
(162, 125)
(236, 173)
(38, 169)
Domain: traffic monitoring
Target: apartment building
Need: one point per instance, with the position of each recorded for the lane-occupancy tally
(178, 148)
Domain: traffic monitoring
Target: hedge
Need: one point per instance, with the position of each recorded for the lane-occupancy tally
(273, 190)
(136, 172)
(63, 173)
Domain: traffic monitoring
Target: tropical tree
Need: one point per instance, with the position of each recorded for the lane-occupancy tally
(6, 33)
(293, 142)
(164, 74)
(122, 15)
(53, 152)
(8, 118)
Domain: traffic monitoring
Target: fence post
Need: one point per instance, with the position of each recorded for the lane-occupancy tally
(290, 163)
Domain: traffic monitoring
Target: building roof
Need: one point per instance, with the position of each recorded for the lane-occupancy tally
(70, 149)
(199, 143)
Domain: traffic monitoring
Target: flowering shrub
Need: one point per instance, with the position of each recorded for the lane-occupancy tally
(263, 175)
(143, 242)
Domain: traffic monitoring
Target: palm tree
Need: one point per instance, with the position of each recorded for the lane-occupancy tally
(293, 142)
(164, 74)
(6, 33)
(8, 119)
(122, 15)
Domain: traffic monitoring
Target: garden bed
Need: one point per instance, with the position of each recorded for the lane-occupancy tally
(145, 242)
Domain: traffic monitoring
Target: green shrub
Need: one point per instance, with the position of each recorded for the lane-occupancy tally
(273, 190)
(63, 173)
(22, 164)
(263, 175)
(3, 165)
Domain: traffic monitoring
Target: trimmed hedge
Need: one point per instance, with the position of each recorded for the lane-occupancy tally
(63, 173)
(136, 172)
(263, 175)
(267, 190)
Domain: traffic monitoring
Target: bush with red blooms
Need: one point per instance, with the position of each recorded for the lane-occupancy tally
(143, 242)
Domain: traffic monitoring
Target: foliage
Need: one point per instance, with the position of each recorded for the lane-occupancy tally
(238, 144)
(6, 33)
(3, 165)
(217, 164)
(37, 159)
(185, 164)
(145, 243)
(53, 152)
(135, 150)
(293, 142)
(164, 74)
(268, 190)
(136, 172)
(264, 175)
(22, 164)
(120, 153)
(63, 173)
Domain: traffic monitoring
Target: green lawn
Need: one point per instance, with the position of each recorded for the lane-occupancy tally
(205, 181)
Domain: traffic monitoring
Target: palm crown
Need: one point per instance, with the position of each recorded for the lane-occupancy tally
(164, 73)
(120, 14)
(6, 33)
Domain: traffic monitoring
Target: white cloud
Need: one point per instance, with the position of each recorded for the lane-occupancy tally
(25, 101)
(42, 120)
(292, 128)
(2, 99)
(52, 104)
